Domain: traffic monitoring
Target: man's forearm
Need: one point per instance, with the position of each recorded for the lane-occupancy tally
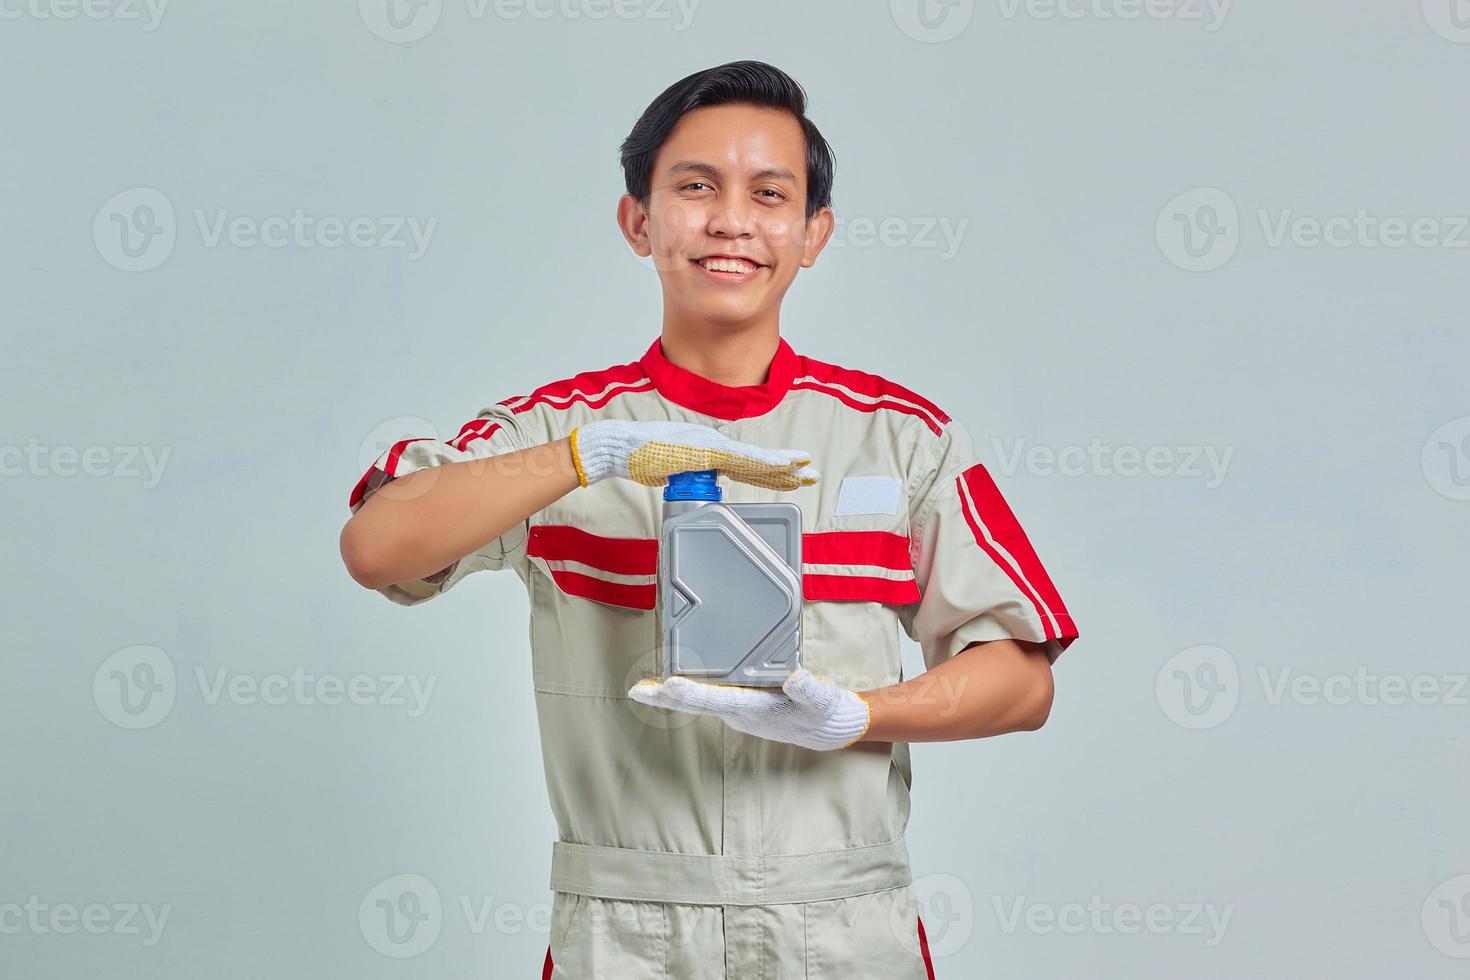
(986, 689)
(420, 523)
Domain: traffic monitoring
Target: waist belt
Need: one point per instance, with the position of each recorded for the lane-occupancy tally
(727, 879)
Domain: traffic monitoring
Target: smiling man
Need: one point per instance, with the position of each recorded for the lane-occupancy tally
(709, 831)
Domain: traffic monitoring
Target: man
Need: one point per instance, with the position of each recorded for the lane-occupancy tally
(710, 831)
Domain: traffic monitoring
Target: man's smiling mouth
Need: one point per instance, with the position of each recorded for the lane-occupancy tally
(728, 267)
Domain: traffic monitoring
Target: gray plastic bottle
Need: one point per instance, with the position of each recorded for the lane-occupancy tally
(729, 585)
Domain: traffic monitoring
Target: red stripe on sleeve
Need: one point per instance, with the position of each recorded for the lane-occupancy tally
(390, 467)
(472, 430)
(996, 515)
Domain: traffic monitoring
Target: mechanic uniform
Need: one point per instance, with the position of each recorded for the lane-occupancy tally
(688, 849)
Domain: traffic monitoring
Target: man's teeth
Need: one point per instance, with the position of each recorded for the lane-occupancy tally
(727, 265)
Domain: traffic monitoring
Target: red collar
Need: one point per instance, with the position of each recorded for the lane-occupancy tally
(698, 393)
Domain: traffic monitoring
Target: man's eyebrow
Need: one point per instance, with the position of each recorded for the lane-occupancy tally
(700, 167)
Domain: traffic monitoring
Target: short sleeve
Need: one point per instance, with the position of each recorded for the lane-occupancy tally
(979, 578)
(492, 432)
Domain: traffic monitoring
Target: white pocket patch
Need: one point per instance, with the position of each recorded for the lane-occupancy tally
(867, 495)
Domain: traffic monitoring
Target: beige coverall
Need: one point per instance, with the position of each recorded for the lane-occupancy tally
(688, 849)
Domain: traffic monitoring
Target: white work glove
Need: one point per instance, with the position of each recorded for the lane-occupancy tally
(809, 711)
(649, 452)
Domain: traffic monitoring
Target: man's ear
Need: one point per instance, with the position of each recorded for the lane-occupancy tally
(633, 221)
(818, 230)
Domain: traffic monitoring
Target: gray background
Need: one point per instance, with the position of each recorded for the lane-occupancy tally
(1174, 772)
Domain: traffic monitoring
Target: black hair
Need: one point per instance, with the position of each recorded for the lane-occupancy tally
(738, 82)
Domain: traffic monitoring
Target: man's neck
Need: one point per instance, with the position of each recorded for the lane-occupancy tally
(736, 357)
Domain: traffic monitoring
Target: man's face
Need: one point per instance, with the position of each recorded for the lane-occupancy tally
(726, 221)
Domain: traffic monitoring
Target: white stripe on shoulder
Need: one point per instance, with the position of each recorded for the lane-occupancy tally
(561, 401)
(869, 399)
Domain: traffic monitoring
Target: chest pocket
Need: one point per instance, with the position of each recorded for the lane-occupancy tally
(855, 545)
(856, 574)
(598, 543)
(616, 571)
(862, 565)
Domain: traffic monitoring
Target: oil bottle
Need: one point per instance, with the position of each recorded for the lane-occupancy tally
(729, 585)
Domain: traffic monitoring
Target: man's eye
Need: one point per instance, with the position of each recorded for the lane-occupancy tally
(693, 183)
(774, 193)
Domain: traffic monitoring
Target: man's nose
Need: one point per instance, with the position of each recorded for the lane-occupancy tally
(731, 217)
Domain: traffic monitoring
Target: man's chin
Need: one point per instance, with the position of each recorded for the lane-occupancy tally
(729, 312)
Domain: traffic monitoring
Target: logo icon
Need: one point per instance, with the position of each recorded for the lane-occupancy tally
(948, 910)
(646, 666)
(1198, 687)
(1446, 917)
(1199, 230)
(1450, 19)
(400, 21)
(135, 687)
(135, 230)
(388, 434)
(401, 916)
(1446, 459)
(932, 21)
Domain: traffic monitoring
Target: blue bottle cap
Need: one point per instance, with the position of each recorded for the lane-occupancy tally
(692, 485)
